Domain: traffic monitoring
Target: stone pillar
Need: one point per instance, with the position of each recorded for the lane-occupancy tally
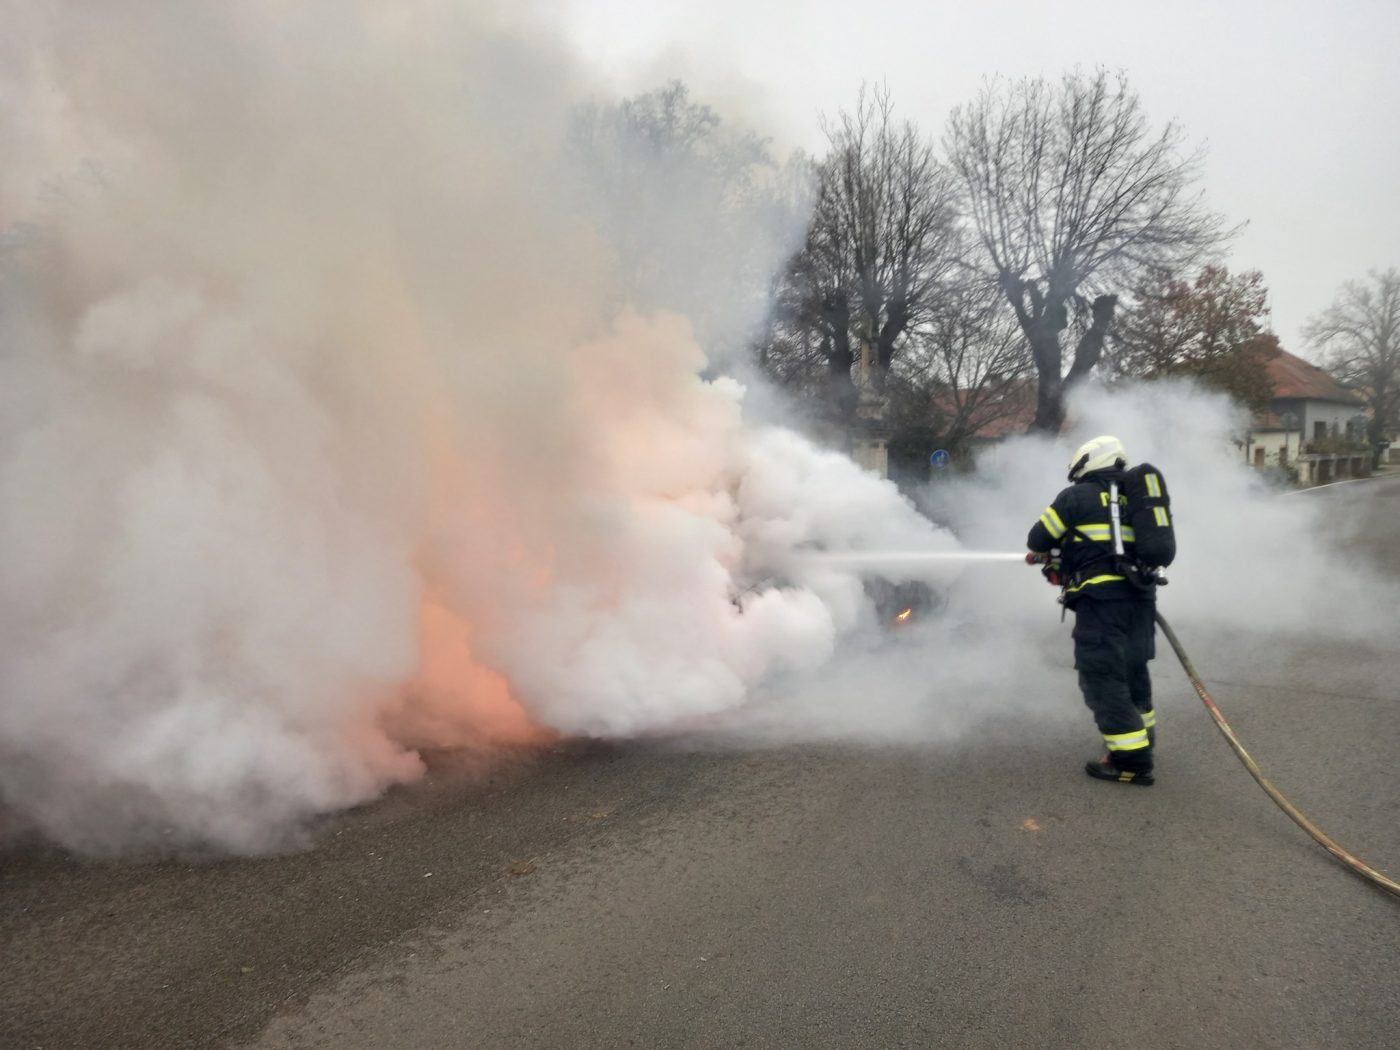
(872, 453)
(870, 433)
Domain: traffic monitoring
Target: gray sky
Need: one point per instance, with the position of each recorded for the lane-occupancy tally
(1297, 102)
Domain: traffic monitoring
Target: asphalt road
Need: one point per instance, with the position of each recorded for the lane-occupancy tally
(806, 897)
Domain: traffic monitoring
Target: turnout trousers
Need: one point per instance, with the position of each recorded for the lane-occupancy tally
(1113, 640)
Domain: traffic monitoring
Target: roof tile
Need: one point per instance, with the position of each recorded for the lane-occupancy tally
(1291, 376)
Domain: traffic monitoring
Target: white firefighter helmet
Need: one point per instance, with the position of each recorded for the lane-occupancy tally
(1098, 453)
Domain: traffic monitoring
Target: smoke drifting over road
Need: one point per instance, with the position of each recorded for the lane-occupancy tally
(328, 433)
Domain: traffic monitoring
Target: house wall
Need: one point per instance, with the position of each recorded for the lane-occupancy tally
(1273, 442)
(1332, 414)
(1312, 469)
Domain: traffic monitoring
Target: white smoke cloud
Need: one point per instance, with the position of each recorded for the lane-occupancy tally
(325, 437)
(1256, 569)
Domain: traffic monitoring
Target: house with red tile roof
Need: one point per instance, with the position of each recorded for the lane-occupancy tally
(1308, 425)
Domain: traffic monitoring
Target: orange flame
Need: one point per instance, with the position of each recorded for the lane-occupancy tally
(455, 699)
(904, 615)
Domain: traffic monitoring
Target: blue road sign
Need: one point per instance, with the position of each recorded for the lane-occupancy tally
(940, 457)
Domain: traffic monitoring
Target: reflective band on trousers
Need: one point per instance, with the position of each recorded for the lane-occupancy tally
(1090, 582)
(1159, 514)
(1105, 533)
(1149, 719)
(1053, 524)
(1126, 741)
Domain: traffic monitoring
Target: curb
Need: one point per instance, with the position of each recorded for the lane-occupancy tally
(1378, 476)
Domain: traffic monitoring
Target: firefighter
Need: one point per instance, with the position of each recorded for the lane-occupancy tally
(1114, 629)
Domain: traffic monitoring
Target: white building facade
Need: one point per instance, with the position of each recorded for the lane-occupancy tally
(1310, 427)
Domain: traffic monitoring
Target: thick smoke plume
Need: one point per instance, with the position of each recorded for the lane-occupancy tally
(327, 433)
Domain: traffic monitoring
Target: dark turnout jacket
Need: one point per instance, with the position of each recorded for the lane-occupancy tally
(1078, 522)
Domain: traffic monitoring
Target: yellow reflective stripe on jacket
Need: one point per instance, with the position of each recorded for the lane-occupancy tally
(1090, 582)
(1133, 741)
(1149, 719)
(1154, 485)
(1104, 533)
(1159, 514)
(1053, 524)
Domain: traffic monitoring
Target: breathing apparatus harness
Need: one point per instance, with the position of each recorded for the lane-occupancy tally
(1137, 573)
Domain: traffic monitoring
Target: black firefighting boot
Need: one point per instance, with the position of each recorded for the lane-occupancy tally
(1104, 769)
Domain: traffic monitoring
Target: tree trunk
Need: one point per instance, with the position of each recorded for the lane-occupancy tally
(1045, 347)
(1381, 408)
(1090, 348)
(896, 322)
(1049, 405)
(836, 315)
(1049, 397)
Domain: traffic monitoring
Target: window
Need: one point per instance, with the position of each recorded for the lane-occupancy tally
(1319, 431)
(1259, 456)
(1283, 455)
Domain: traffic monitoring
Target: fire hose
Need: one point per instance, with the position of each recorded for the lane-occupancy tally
(1050, 568)
(1367, 872)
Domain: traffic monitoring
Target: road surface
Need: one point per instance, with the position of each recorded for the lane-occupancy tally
(596, 896)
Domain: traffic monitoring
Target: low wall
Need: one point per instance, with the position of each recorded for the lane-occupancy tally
(1316, 468)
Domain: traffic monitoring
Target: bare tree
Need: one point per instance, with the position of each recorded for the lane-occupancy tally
(798, 347)
(883, 239)
(1360, 333)
(696, 211)
(1073, 196)
(966, 368)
